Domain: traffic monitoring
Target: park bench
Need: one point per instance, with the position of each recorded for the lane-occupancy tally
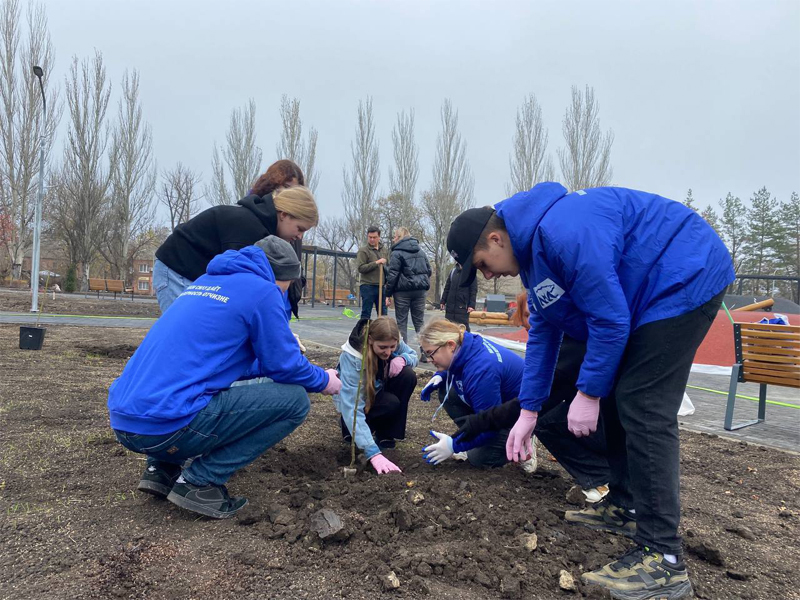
(767, 355)
(97, 285)
(341, 296)
(115, 286)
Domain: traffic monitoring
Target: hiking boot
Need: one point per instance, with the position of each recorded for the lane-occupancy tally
(604, 516)
(209, 500)
(158, 478)
(643, 573)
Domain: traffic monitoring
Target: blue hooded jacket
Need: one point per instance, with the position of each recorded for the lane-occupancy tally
(230, 324)
(598, 264)
(483, 375)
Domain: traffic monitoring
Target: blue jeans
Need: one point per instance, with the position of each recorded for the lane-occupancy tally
(369, 296)
(237, 426)
(168, 284)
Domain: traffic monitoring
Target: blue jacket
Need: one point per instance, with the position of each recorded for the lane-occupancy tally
(600, 263)
(230, 324)
(483, 375)
(345, 400)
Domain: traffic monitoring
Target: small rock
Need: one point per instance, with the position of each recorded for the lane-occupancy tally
(424, 569)
(738, 575)
(529, 541)
(705, 551)
(742, 532)
(737, 514)
(390, 581)
(482, 578)
(328, 525)
(575, 496)
(404, 519)
(280, 515)
(415, 497)
(565, 581)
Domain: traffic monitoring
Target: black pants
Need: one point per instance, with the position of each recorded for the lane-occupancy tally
(641, 423)
(492, 454)
(416, 302)
(462, 318)
(369, 297)
(583, 458)
(387, 416)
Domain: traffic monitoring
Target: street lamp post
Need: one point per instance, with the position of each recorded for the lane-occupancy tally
(37, 228)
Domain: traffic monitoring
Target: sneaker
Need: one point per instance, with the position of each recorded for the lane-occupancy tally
(158, 478)
(604, 516)
(209, 500)
(596, 493)
(641, 574)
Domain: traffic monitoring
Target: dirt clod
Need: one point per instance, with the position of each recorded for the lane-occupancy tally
(576, 497)
(705, 551)
(328, 525)
(390, 581)
(529, 541)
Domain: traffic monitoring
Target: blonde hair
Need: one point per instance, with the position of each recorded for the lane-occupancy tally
(402, 232)
(382, 329)
(440, 331)
(297, 201)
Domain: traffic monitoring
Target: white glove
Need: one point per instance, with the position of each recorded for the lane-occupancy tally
(440, 451)
(435, 382)
(299, 343)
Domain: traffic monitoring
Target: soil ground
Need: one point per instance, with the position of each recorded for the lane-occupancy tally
(78, 304)
(73, 525)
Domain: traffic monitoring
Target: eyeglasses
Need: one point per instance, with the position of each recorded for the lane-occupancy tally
(432, 354)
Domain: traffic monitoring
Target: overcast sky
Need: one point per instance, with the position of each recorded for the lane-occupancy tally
(699, 94)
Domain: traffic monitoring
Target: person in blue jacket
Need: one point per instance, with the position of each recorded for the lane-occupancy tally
(640, 279)
(389, 380)
(176, 400)
(479, 375)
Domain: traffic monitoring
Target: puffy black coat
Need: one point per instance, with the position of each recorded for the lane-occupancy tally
(457, 299)
(409, 269)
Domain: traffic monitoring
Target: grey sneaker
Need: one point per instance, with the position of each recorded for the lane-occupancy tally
(604, 516)
(158, 478)
(210, 500)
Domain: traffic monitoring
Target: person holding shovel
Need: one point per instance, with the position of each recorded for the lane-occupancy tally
(371, 263)
(640, 279)
(380, 399)
(176, 397)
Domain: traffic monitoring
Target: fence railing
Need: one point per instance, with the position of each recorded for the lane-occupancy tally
(312, 253)
(793, 287)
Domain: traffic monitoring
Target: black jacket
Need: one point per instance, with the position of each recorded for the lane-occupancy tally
(409, 269)
(193, 244)
(457, 299)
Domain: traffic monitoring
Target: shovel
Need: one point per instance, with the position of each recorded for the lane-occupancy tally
(351, 470)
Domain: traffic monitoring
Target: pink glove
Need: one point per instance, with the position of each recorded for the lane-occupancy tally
(582, 415)
(334, 385)
(518, 445)
(396, 365)
(384, 465)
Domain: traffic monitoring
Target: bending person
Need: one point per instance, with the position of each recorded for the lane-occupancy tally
(174, 399)
(389, 381)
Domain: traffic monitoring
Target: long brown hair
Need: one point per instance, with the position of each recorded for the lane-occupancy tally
(382, 329)
(279, 174)
(522, 314)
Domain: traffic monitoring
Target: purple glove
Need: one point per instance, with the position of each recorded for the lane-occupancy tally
(582, 415)
(334, 385)
(396, 365)
(384, 465)
(518, 446)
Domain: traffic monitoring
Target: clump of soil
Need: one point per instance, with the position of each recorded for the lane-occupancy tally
(119, 351)
(75, 527)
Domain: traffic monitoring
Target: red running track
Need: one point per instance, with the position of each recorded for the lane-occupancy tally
(716, 349)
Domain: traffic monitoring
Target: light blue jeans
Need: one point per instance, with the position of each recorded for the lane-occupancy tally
(235, 428)
(168, 284)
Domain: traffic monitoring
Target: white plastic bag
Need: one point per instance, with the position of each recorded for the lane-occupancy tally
(687, 408)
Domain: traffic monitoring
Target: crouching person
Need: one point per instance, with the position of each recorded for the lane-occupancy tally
(389, 380)
(174, 399)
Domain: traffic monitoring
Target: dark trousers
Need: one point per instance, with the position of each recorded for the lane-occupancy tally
(460, 318)
(491, 454)
(641, 423)
(583, 458)
(369, 297)
(415, 301)
(387, 416)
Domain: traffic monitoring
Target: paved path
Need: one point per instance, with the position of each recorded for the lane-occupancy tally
(328, 328)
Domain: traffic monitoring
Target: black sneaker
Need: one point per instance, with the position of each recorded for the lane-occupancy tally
(387, 444)
(641, 574)
(158, 478)
(604, 516)
(210, 500)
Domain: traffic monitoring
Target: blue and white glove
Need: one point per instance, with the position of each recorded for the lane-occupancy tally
(434, 384)
(440, 451)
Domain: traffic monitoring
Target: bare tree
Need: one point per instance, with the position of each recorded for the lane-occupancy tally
(131, 211)
(292, 146)
(334, 233)
(240, 154)
(21, 126)
(529, 161)
(450, 194)
(178, 194)
(361, 181)
(398, 207)
(586, 161)
(80, 200)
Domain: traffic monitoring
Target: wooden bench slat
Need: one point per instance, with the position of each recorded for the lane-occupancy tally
(115, 285)
(773, 366)
(773, 351)
(786, 382)
(771, 358)
(766, 327)
(766, 370)
(770, 335)
(769, 343)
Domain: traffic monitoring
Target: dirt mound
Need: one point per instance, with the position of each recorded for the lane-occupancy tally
(119, 351)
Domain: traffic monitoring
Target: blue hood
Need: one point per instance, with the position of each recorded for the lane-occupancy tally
(250, 259)
(522, 214)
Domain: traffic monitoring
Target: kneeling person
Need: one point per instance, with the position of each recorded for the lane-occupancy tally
(174, 399)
